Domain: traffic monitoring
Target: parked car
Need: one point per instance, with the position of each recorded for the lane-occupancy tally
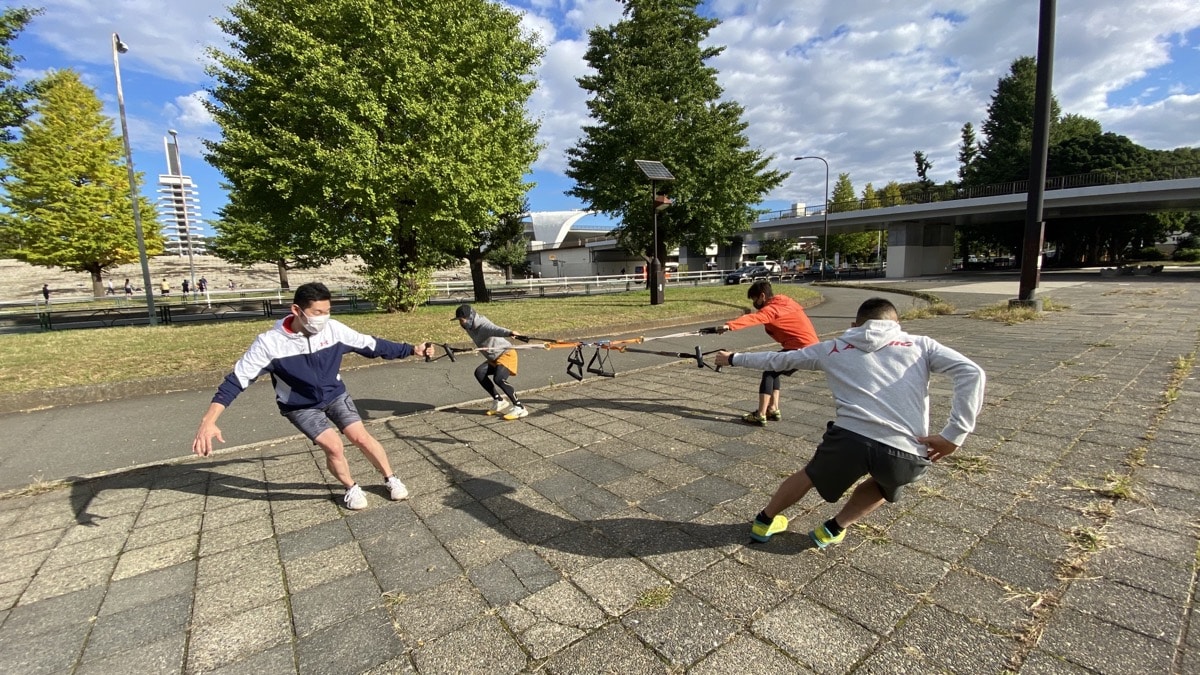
(748, 274)
(815, 271)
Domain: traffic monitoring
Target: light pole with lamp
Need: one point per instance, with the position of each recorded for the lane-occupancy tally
(825, 243)
(120, 48)
(655, 171)
(183, 200)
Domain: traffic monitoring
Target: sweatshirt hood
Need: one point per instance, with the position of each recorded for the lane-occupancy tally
(873, 335)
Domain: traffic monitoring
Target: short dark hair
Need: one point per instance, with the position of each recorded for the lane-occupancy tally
(307, 294)
(760, 287)
(876, 308)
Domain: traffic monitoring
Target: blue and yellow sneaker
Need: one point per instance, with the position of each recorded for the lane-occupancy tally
(822, 538)
(762, 532)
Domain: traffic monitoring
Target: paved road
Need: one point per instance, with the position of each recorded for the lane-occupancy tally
(80, 440)
(608, 532)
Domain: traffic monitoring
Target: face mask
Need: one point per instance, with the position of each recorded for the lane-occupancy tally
(315, 324)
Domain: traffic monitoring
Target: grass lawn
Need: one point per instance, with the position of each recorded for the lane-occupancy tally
(40, 361)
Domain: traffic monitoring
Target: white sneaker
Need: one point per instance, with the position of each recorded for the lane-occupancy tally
(355, 499)
(396, 488)
(498, 407)
(517, 413)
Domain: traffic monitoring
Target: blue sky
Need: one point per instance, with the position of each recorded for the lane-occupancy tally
(862, 83)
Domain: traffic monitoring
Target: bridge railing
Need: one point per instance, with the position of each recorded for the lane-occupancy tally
(945, 193)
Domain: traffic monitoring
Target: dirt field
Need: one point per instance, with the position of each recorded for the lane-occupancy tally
(21, 281)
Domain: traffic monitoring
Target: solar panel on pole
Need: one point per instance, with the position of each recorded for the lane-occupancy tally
(653, 170)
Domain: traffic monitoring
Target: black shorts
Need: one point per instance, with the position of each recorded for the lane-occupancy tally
(843, 457)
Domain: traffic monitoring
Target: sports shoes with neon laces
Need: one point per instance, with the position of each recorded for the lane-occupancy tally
(762, 532)
(355, 499)
(517, 412)
(822, 538)
(396, 488)
(498, 407)
(755, 419)
(774, 415)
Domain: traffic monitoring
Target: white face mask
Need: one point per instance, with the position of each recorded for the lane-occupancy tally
(315, 324)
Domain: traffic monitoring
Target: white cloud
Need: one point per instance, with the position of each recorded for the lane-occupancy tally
(862, 83)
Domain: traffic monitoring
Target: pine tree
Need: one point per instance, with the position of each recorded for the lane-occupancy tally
(654, 97)
(968, 151)
(68, 187)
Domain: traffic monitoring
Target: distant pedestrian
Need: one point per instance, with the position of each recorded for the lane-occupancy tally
(202, 285)
(186, 287)
(110, 290)
(879, 377)
(232, 285)
(128, 289)
(303, 353)
(165, 288)
(46, 292)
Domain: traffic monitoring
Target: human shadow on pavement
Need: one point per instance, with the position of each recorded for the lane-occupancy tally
(376, 408)
(195, 478)
(620, 537)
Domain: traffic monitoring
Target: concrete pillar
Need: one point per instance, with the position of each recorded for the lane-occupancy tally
(917, 249)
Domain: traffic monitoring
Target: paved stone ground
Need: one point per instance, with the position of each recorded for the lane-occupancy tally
(608, 532)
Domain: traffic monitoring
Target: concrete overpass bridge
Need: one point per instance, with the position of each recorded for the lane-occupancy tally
(921, 236)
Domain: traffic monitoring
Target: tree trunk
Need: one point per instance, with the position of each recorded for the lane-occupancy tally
(97, 282)
(283, 273)
(478, 283)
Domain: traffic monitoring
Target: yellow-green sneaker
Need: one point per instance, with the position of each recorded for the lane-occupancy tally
(755, 419)
(774, 415)
(822, 538)
(762, 532)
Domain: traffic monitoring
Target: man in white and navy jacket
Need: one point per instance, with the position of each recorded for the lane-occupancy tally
(303, 353)
(879, 377)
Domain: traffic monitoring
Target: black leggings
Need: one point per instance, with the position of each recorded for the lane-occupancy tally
(769, 383)
(500, 375)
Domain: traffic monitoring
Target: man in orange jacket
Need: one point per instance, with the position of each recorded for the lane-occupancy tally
(785, 321)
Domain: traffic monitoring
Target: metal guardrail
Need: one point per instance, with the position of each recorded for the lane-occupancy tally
(945, 193)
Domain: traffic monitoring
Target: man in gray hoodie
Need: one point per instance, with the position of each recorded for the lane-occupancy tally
(501, 361)
(879, 377)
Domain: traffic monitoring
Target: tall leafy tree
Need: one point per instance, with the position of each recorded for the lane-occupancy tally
(870, 198)
(653, 96)
(1008, 129)
(968, 151)
(843, 197)
(395, 131)
(14, 100)
(892, 194)
(67, 197)
(244, 243)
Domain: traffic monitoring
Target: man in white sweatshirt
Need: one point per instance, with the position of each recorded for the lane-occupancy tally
(879, 377)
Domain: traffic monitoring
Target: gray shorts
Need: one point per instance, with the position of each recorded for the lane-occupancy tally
(844, 456)
(313, 422)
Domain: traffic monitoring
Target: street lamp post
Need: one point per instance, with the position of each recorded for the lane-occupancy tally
(183, 198)
(119, 47)
(824, 244)
(655, 171)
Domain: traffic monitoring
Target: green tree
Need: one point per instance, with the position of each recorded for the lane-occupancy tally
(870, 199)
(968, 151)
(499, 240)
(1072, 126)
(923, 167)
(14, 100)
(843, 198)
(245, 243)
(67, 193)
(777, 249)
(653, 97)
(892, 195)
(1008, 130)
(855, 246)
(393, 131)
